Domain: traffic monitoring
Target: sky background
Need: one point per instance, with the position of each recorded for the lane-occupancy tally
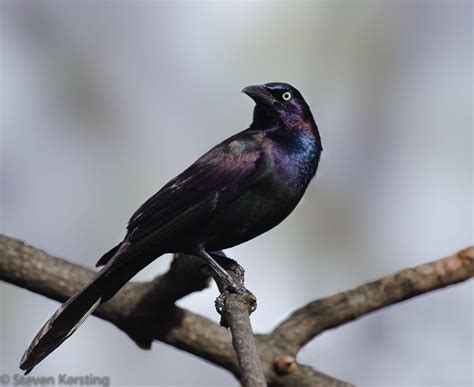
(103, 102)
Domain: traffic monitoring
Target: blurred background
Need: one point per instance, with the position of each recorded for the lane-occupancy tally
(103, 102)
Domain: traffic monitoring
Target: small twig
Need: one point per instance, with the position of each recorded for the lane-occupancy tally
(237, 308)
(235, 314)
(318, 316)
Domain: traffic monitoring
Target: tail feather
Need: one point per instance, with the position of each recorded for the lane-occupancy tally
(62, 324)
(106, 283)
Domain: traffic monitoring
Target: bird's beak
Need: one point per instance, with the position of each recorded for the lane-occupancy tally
(260, 95)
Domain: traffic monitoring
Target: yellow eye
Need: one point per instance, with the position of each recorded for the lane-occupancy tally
(286, 96)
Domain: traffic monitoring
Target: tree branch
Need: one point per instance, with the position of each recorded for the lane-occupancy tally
(237, 309)
(318, 316)
(146, 311)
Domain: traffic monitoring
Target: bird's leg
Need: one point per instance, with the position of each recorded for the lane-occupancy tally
(236, 271)
(221, 274)
(229, 264)
(229, 280)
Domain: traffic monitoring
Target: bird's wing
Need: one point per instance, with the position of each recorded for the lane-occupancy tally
(211, 182)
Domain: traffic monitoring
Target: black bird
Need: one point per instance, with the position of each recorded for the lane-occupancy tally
(241, 188)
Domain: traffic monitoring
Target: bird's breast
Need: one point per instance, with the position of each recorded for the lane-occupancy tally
(294, 164)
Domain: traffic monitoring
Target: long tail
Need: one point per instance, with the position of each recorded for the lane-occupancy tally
(106, 283)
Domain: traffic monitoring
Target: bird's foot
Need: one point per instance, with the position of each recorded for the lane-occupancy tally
(219, 303)
(229, 277)
(237, 289)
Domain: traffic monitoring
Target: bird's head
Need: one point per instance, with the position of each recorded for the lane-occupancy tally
(278, 102)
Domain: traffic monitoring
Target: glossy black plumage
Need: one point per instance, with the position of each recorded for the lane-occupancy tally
(241, 188)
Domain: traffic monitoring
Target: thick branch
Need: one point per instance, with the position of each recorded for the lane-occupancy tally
(145, 311)
(317, 316)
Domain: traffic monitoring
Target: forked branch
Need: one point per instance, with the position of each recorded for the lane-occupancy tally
(147, 311)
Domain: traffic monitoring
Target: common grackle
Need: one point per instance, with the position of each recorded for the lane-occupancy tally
(241, 188)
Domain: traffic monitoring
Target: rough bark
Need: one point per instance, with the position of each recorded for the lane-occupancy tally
(147, 311)
(330, 312)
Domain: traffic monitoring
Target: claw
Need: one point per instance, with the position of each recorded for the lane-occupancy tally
(238, 289)
(220, 301)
